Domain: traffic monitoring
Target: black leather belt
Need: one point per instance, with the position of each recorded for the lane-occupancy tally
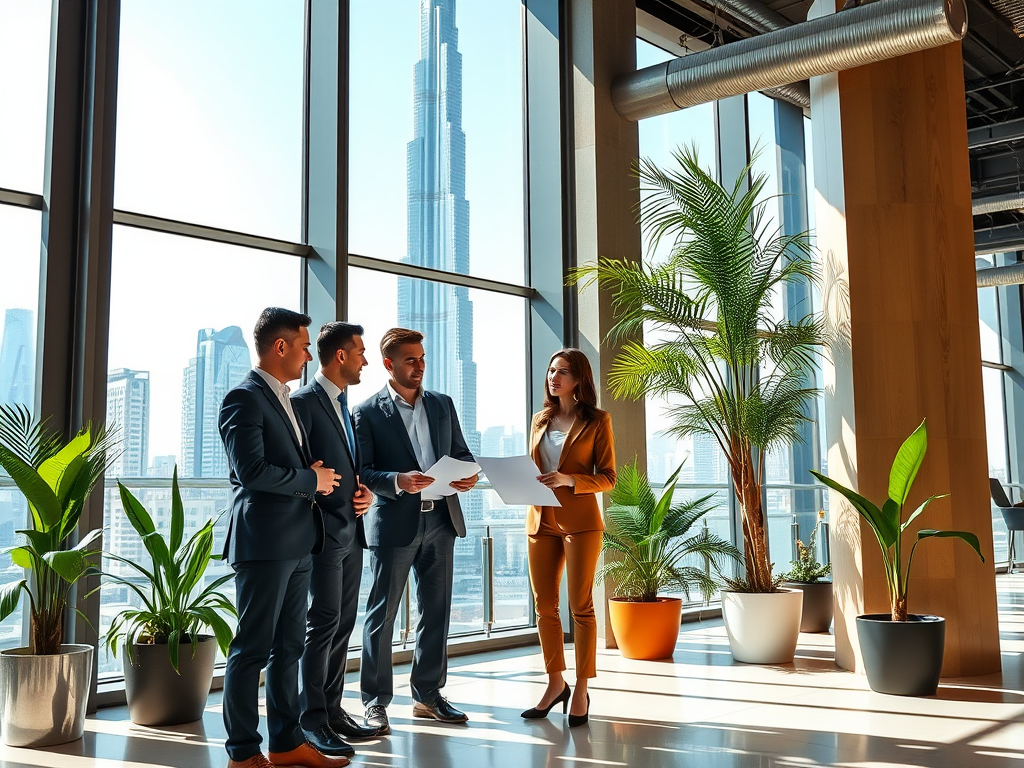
(426, 506)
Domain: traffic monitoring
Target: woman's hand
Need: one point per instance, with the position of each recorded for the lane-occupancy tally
(557, 480)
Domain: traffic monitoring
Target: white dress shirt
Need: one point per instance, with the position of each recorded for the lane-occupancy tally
(551, 449)
(414, 416)
(332, 392)
(282, 391)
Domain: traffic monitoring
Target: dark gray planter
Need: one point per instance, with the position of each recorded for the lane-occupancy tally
(157, 695)
(902, 657)
(817, 613)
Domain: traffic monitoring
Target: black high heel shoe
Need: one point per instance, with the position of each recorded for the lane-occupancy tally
(536, 712)
(575, 720)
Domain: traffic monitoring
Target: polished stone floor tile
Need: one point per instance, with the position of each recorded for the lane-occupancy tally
(701, 709)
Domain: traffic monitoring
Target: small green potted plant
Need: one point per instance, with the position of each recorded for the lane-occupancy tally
(653, 546)
(807, 575)
(50, 680)
(902, 651)
(163, 685)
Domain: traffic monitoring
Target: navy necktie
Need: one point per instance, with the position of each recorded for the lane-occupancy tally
(346, 421)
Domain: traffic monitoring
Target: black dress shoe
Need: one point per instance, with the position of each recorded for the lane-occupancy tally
(538, 712)
(376, 716)
(325, 741)
(439, 710)
(347, 728)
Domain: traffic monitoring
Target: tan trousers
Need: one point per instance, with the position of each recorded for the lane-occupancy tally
(550, 551)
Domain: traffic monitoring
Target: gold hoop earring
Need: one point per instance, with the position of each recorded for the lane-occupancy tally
(575, 399)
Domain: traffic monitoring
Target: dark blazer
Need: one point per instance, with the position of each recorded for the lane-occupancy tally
(315, 410)
(273, 514)
(393, 519)
(588, 454)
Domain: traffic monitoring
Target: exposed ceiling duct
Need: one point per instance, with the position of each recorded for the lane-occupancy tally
(997, 203)
(1011, 275)
(852, 38)
(1013, 10)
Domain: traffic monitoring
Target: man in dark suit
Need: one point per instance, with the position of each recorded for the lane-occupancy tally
(274, 526)
(322, 410)
(402, 431)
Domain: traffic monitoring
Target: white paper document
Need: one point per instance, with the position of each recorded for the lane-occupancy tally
(445, 471)
(515, 480)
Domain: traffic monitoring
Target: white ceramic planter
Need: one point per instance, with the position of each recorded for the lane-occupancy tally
(43, 698)
(763, 628)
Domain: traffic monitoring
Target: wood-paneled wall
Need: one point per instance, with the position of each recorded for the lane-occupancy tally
(914, 349)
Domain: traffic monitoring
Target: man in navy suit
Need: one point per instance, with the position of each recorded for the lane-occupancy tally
(322, 410)
(402, 431)
(274, 526)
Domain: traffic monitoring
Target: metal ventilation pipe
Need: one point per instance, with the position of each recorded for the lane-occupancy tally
(996, 203)
(874, 32)
(1011, 275)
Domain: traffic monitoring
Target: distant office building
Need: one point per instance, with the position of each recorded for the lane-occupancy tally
(438, 216)
(502, 441)
(222, 361)
(162, 466)
(17, 358)
(128, 417)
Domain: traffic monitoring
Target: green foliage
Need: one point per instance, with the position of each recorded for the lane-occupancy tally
(176, 605)
(712, 342)
(888, 524)
(806, 568)
(56, 480)
(651, 540)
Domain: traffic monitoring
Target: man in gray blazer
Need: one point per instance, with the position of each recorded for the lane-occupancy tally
(274, 526)
(322, 409)
(402, 431)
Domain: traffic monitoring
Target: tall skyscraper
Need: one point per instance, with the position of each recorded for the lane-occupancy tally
(438, 216)
(17, 358)
(221, 361)
(128, 413)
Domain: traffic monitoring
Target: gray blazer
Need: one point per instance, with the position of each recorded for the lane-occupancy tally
(393, 519)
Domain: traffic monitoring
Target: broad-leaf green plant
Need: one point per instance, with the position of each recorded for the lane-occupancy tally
(887, 521)
(653, 541)
(56, 478)
(176, 605)
(714, 347)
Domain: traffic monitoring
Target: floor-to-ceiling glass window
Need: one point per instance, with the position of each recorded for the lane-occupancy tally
(436, 185)
(703, 466)
(209, 133)
(24, 64)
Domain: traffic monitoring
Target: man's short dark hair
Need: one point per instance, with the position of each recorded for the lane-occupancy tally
(395, 338)
(335, 336)
(277, 323)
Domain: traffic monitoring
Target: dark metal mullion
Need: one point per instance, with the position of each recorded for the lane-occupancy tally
(21, 199)
(403, 269)
(211, 234)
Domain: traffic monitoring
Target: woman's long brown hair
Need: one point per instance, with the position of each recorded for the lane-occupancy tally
(586, 394)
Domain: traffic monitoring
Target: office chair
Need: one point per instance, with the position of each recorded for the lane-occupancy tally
(1013, 517)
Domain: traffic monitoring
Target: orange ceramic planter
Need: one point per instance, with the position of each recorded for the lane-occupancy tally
(646, 630)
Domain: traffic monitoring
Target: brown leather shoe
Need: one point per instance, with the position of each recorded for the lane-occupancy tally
(305, 756)
(256, 761)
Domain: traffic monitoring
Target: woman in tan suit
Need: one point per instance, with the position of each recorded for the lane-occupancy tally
(572, 443)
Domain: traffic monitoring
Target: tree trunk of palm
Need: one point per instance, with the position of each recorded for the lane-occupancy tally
(755, 544)
(47, 633)
(899, 608)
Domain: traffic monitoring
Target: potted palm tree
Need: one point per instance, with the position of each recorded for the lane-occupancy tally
(740, 375)
(807, 575)
(654, 550)
(163, 685)
(50, 680)
(902, 651)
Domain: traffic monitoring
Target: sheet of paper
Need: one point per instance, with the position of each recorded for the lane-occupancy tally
(445, 470)
(515, 480)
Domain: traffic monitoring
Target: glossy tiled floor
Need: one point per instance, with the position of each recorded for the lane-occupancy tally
(699, 710)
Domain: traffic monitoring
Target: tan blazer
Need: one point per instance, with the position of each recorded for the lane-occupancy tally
(588, 454)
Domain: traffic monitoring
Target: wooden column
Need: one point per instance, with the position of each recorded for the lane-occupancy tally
(896, 229)
(603, 40)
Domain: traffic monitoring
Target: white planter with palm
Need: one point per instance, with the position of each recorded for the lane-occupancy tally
(734, 372)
